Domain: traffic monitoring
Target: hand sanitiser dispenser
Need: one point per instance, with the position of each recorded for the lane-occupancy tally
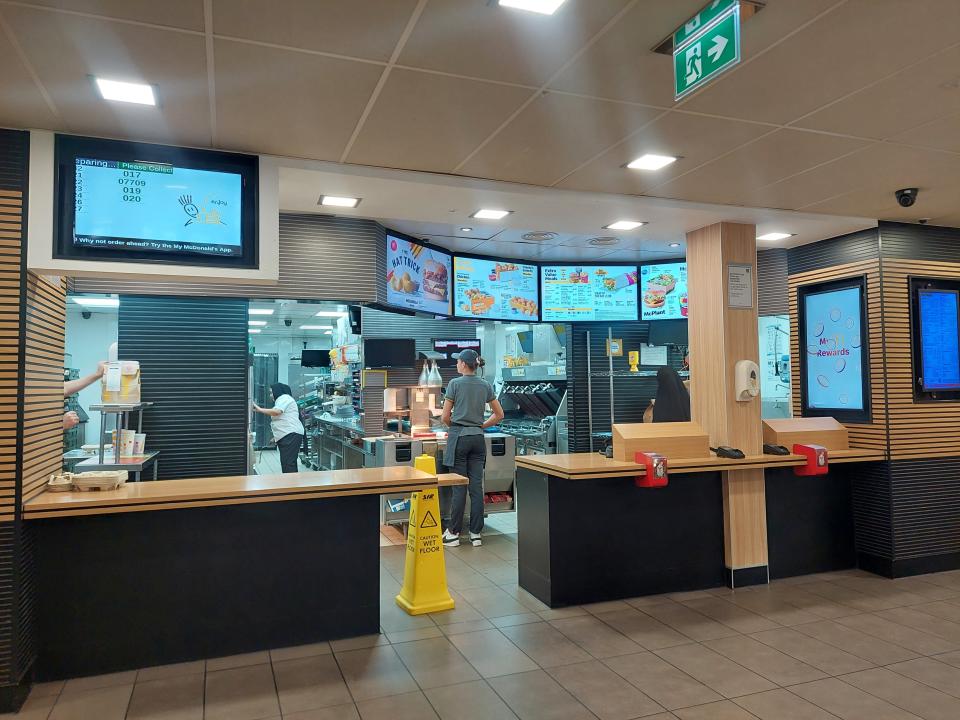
(746, 380)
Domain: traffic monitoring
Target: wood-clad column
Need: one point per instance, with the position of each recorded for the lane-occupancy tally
(720, 335)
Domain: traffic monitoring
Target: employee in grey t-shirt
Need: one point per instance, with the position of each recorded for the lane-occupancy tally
(466, 453)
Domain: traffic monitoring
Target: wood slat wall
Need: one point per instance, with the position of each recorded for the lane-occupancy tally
(916, 429)
(11, 213)
(871, 435)
(43, 382)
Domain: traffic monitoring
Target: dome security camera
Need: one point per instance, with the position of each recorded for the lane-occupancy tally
(907, 197)
(288, 322)
(86, 314)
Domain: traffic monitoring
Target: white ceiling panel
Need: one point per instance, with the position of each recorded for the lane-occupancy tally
(21, 102)
(184, 14)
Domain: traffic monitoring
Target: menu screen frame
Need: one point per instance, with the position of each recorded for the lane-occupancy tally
(461, 315)
(428, 248)
(626, 268)
(921, 391)
(683, 291)
(810, 338)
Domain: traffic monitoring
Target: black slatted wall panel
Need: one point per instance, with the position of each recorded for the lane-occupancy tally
(872, 498)
(920, 242)
(772, 282)
(631, 394)
(855, 247)
(193, 364)
(926, 507)
(321, 258)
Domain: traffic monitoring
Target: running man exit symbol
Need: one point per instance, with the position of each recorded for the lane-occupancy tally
(709, 51)
(694, 63)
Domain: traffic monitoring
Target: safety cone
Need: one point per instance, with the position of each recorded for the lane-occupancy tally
(425, 571)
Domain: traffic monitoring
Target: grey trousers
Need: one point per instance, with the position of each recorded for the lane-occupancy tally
(469, 460)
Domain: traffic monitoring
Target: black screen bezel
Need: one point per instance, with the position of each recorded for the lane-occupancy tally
(636, 287)
(841, 415)
(406, 363)
(69, 147)
(915, 285)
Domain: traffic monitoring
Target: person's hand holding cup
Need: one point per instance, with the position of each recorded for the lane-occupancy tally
(70, 420)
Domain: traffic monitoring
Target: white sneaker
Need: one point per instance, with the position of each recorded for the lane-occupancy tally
(449, 539)
(476, 539)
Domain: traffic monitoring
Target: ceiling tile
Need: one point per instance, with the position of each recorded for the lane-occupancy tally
(925, 92)
(943, 134)
(65, 50)
(21, 104)
(186, 14)
(881, 169)
(643, 255)
(423, 121)
(933, 202)
(860, 42)
(526, 251)
(456, 244)
(288, 103)
(561, 253)
(693, 138)
(481, 39)
(368, 29)
(553, 135)
(769, 159)
(950, 220)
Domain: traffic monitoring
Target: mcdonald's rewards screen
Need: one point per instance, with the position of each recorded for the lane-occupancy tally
(834, 359)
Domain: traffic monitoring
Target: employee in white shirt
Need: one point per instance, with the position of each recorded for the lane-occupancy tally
(286, 425)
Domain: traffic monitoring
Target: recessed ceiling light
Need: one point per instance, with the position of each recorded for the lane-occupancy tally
(674, 245)
(253, 330)
(128, 92)
(329, 332)
(651, 162)
(260, 311)
(339, 201)
(466, 229)
(774, 236)
(623, 225)
(488, 214)
(544, 7)
(97, 302)
(256, 323)
(331, 313)
(316, 327)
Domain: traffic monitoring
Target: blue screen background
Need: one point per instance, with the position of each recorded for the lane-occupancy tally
(834, 356)
(939, 340)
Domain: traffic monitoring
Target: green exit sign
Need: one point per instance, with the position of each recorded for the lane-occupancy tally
(708, 48)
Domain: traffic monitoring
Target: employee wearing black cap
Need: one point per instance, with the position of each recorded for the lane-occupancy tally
(466, 453)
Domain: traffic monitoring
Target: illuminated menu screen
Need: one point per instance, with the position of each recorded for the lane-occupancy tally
(584, 293)
(494, 289)
(834, 351)
(663, 291)
(939, 339)
(418, 278)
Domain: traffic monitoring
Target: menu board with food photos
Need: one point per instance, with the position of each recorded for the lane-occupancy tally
(581, 293)
(494, 289)
(418, 278)
(663, 291)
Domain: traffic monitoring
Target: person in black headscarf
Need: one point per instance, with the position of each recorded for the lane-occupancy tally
(672, 403)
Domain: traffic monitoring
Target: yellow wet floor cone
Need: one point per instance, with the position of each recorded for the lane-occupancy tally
(425, 571)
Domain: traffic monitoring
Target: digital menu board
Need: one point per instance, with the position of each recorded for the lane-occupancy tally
(418, 278)
(939, 339)
(833, 364)
(584, 293)
(494, 289)
(663, 291)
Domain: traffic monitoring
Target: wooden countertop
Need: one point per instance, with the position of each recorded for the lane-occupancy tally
(204, 492)
(587, 466)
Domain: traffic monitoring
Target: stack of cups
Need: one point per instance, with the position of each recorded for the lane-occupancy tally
(139, 441)
(127, 438)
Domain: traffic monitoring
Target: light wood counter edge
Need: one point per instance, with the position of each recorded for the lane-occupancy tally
(607, 468)
(210, 492)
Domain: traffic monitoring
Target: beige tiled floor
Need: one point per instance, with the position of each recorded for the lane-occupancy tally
(842, 645)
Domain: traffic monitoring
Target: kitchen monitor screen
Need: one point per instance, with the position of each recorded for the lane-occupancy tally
(495, 289)
(939, 339)
(663, 291)
(451, 349)
(418, 277)
(389, 353)
(582, 293)
(135, 202)
(315, 358)
(834, 370)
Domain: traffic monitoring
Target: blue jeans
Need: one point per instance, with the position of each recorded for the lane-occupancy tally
(469, 460)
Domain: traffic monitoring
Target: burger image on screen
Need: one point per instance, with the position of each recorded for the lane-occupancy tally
(654, 297)
(435, 280)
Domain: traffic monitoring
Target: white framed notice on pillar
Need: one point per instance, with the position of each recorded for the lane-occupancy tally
(740, 285)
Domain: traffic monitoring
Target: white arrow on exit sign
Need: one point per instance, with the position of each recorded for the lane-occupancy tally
(719, 45)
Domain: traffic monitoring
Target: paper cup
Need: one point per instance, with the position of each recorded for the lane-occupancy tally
(126, 442)
(139, 441)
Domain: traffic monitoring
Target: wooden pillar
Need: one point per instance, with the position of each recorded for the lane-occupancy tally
(721, 333)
